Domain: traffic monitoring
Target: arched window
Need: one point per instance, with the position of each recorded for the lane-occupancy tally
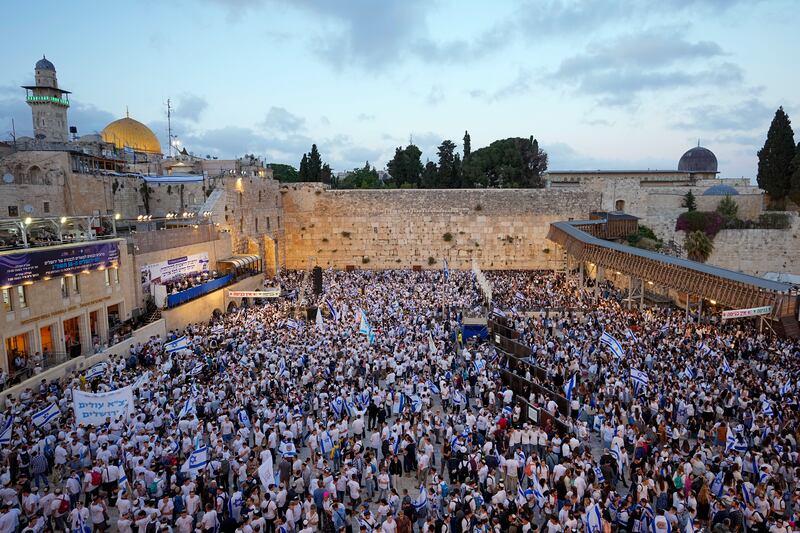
(619, 205)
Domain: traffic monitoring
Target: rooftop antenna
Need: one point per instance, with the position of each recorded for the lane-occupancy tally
(698, 143)
(169, 126)
(410, 138)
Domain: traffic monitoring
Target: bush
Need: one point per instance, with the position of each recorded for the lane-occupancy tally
(431, 260)
(728, 209)
(346, 234)
(447, 237)
(774, 221)
(365, 260)
(709, 222)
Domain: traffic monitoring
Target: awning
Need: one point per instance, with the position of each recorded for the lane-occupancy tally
(239, 261)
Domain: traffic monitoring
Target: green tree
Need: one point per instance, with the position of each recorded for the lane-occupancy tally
(326, 175)
(698, 246)
(689, 201)
(362, 178)
(314, 164)
(512, 162)
(284, 173)
(406, 166)
(303, 175)
(430, 175)
(447, 171)
(794, 186)
(728, 209)
(467, 145)
(775, 158)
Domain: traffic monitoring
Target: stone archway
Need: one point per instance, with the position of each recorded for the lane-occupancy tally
(231, 307)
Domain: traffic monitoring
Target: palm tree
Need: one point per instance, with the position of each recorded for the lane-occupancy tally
(698, 246)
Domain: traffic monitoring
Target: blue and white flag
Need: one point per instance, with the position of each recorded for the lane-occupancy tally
(718, 485)
(399, 406)
(196, 461)
(597, 425)
(431, 345)
(617, 453)
(748, 491)
(457, 398)
(521, 499)
(689, 372)
(499, 312)
(141, 380)
(422, 498)
(188, 408)
(445, 269)
(433, 387)
(640, 380)
(598, 473)
(196, 369)
(479, 365)
(519, 296)
(181, 343)
(45, 415)
(292, 324)
(416, 404)
(631, 335)
(5, 433)
(689, 525)
(218, 329)
(325, 442)
(365, 329)
(786, 388)
(705, 349)
(243, 418)
(766, 408)
(569, 386)
(612, 344)
(282, 371)
(594, 519)
(334, 312)
(725, 366)
(96, 371)
(338, 406)
(320, 322)
(122, 482)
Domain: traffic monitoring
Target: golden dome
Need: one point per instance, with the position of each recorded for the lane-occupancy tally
(130, 133)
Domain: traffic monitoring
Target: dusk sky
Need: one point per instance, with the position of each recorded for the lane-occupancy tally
(602, 84)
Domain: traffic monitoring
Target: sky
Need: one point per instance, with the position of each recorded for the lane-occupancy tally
(612, 84)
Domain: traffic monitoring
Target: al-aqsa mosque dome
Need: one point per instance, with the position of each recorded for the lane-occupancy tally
(129, 133)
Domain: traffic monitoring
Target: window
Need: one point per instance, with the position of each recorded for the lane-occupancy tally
(73, 282)
(619, 205)
(107, 274)
(64, 288)
(115, 275)
(46, 207)
(7, 300)
(279, 222)
(256, 224)
(23, 302)
(13, 211)
(267, 223)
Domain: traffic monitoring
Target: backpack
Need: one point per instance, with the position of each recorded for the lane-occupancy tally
(151, 527)
(97, 478)
(63, 506)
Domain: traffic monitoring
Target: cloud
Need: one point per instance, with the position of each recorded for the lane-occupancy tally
(190, 106)
(365, 117)
(435, 96)
(280, 119)
(519, 85)
(562, 156)
(617, 71)
(746, 115)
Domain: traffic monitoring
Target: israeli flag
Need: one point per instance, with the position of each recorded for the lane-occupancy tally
(631, 335)
(188, 407)
(598, 473)
(445, 269)
(181, 343)
(365, 328)
(416, 404)
(499, 312)
(292, 324)
(349, 408)
(617, 453)
(536, 487)
(433, 387)
(196, 461)
(748, 491)
(319, 321)
(141, 380)
(218, 329)
(689, 525)
(243, 418)
(422, 498)
(725, 366)
(730, 441)
(479, 365)
(786, 388)
(338, 406)
(282, 372)
(96, 371)
(325, 443)
(5, 433)
(569, 386)
(718, 485)
(612, 344)
(396, 445)
(122, 482)
(594, 519)
(766, 408)
(334, 313)
(457, 398)
(45, 415)
(400, 405)
(690, 373)
(597, 425)
(431, 345)
(520, 499)
(519, 296)
(705, 349)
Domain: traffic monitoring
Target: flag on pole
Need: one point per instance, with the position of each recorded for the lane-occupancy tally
(612, 344)
(639, 379)
(5, 433)
(181, 343)
(45, 415)
(196, 461)
(689, 372)
(569, 386)
(499, 312)
(334, 313)
(766, 408)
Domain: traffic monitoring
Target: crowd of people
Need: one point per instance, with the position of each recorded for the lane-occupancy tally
(379, 416)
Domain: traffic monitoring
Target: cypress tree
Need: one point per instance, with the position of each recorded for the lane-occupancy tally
(775, 158)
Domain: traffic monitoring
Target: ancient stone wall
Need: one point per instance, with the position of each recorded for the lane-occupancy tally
(403, 228)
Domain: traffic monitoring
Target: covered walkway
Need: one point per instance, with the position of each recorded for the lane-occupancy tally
(728, 288)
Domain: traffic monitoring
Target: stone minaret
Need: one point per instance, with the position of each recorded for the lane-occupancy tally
(48, 104)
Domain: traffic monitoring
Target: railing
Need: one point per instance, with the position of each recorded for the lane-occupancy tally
(161, 239)
(49, 360)
(195, 292)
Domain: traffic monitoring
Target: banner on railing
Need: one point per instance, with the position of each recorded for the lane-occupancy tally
(269, 292)
(745, 313)
(163, 271)
(95, 408)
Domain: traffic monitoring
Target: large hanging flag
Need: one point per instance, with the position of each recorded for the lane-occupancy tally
(612, 344)
(45, 415)
(196, 461)
(181, 343)
(569, 386)
(96, 371)
(5, 433)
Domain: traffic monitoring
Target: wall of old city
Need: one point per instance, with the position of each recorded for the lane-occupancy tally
(501, 228)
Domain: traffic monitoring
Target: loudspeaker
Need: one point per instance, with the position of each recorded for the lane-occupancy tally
(311, 314)
(317, 272)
